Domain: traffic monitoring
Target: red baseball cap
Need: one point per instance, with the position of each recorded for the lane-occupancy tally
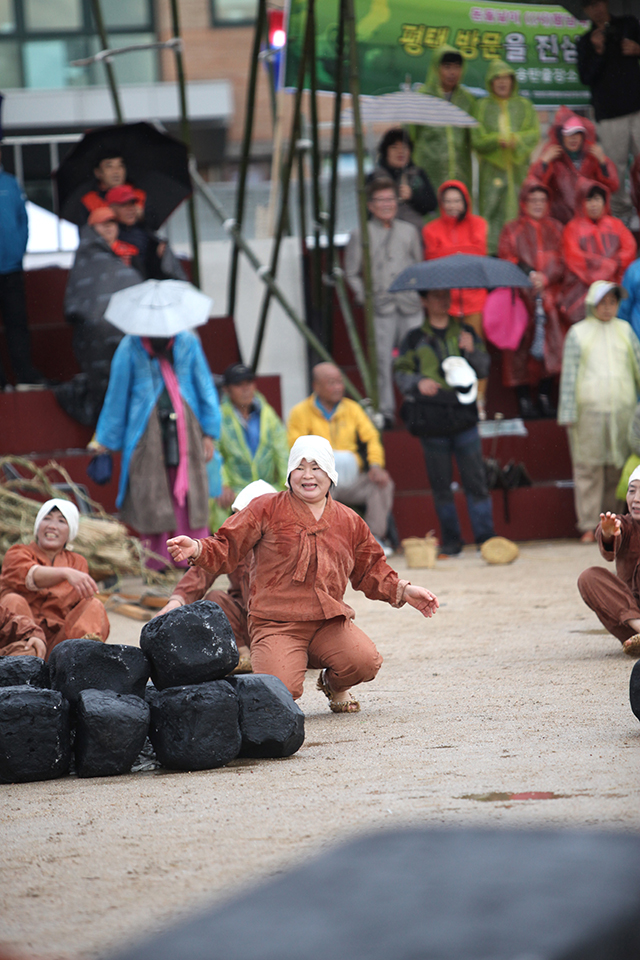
(101, 215)
(123, 194)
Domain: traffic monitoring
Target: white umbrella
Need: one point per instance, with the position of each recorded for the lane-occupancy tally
(158, 308)
(411, 107)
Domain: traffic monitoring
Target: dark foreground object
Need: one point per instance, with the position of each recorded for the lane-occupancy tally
(195, 727)
(111, 729)
(34, 735)
(15, 671)
(634, 689)
(193, 644)
(271, 722)
(78, 665)
(433, 895)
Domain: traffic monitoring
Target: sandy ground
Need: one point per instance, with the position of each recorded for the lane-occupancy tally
(512, 687)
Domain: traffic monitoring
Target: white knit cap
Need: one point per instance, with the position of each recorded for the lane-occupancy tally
(68, 510)
(313, 448)
(257, 488)
(634, 476)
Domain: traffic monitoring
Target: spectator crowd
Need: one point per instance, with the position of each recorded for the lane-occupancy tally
(561, 211)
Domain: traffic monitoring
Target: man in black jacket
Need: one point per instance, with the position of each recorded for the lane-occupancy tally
(449, 415)
(608, 63)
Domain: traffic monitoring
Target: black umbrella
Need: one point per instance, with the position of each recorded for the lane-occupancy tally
(460, 271)
(155, 161)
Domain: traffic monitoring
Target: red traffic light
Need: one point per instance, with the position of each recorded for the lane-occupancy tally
(277, 32)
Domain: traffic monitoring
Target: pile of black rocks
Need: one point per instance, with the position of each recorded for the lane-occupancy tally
(92, 706)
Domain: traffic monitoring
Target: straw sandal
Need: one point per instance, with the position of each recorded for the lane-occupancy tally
(632, 646)
(244, 666)
(336, 706)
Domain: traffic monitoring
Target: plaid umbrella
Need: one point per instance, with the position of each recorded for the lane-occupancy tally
(411, 107)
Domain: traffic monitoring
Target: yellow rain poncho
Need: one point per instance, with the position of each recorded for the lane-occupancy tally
(599, 387)
(444, 152)
(502, 169)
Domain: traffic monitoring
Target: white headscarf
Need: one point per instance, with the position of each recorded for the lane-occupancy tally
(257, 488)
(634, 476)
(313, 448)
(68, 510)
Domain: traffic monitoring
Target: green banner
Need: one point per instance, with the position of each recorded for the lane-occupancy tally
(396, 39)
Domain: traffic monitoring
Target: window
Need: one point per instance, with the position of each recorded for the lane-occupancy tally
(39, 39)
(7, 16)
(52, 15)
(232, 13)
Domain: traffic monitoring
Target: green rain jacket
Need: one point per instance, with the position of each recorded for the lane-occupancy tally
(444, 152)
(502, 170)
(239, 468)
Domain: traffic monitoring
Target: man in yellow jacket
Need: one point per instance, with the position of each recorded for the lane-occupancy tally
(356, 443)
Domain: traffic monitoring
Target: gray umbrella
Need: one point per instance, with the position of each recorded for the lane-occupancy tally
(462, 270)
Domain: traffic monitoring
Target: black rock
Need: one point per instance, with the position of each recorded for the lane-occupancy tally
(271, 722)
(193, 644)
(78, 665)
(195, 727)
(111, 729)
(634, 689)
(16, 671)
(34, 734)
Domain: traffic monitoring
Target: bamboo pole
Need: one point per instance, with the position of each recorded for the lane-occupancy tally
(352, 331)
(335, 151)
(246, 147)
(186, 138)
(111, 78)
(317, 312)
(354, 85)
(267, 278)
(284, 187)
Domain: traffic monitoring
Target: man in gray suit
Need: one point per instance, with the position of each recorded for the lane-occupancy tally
(394, 245)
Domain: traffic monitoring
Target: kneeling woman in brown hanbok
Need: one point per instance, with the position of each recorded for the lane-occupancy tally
(46, 588)
(307, 547)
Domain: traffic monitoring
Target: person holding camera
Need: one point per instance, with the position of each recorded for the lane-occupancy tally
(437, 372)
(608, 64)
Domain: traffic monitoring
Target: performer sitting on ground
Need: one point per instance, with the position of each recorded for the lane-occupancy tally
(196, 584)
(50, 584)
(615, 598)
(19, 637)
(307, 547)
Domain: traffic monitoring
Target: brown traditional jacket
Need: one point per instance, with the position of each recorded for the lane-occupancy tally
(50, 604)
(302, 565)
(625, 550)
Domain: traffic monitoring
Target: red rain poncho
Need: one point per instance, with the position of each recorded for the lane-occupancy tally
(447, 235)
(634, 178)
(592, 250)
(561, 176)
(534, 245)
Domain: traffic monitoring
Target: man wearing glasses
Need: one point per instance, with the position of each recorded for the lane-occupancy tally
(394, 245)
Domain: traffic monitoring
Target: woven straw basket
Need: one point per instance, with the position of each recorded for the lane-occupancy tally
(421, 551)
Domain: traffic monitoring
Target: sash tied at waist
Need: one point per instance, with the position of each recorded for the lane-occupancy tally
(304, 557)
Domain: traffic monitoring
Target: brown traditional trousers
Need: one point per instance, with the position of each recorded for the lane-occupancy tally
(615, 598)
(286, 649)
(611, 601)
(87, 617)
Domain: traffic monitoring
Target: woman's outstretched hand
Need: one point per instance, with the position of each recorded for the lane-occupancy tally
(181, 548)
(84, 584)
(422, 599)
(610, 525)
